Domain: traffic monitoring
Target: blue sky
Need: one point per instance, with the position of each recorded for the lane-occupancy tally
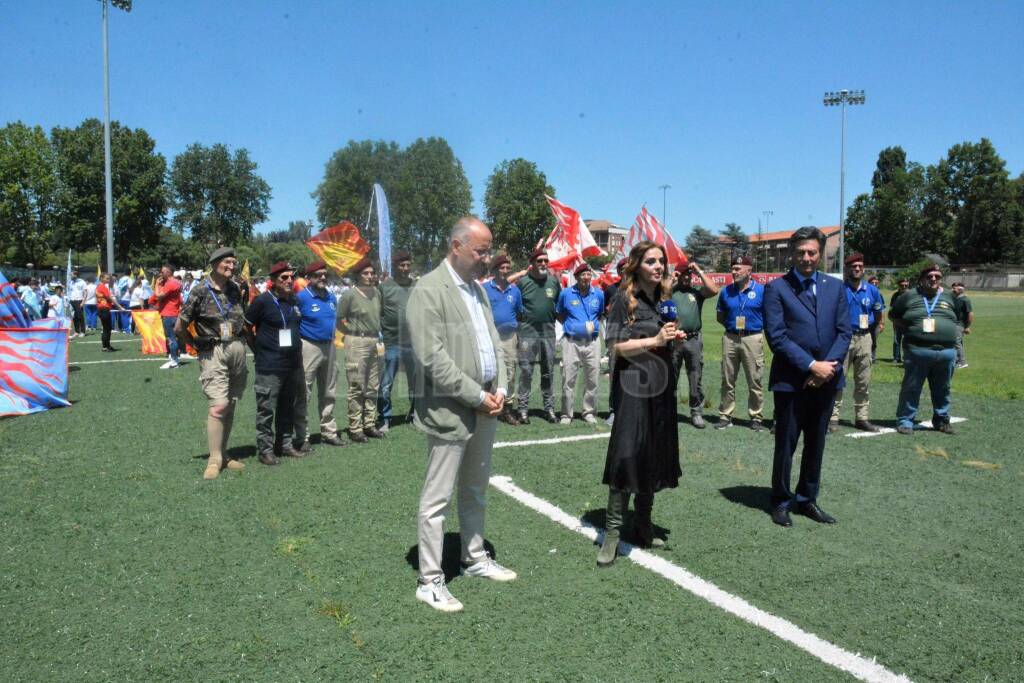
(720, 100)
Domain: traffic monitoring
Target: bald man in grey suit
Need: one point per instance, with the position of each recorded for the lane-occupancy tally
(460, 390)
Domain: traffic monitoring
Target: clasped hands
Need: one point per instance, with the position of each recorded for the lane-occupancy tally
(493, 404)
(668, 333)
(821, 371)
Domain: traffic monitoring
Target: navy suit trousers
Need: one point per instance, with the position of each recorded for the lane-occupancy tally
(804, 412)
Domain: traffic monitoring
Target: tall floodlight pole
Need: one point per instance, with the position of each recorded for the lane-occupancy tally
(768, 213)
(664, 203)
(126, 5)
(832, 99)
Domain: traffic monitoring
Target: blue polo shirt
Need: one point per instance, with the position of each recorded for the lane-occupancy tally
(579, 309)
(749, 303)
(865, 300)
(318, 315)
(506, 306)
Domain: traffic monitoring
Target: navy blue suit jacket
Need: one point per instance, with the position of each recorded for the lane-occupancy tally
(799, 333)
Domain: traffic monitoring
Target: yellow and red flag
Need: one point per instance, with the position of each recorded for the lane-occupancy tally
(339, 246)
(151, 327)
(246, 276)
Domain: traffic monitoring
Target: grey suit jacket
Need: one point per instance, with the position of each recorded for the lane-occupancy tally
(448, 378)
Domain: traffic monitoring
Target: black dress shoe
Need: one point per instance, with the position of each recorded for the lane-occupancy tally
(269, 459)
(780, 515)
(524, 419)
(865, 426)
(816, 513)
(289, 451)
(357, 437)
(332, 440)
(946, 428)
(551, 417)
(833, 427)
(373, 433)
(757, 425)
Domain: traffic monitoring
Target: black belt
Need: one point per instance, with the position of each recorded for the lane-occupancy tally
(859, 332)
(361, 334)
(580, 339)
(691, 333)
(744, 333)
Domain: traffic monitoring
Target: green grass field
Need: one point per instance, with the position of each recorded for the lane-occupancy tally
(118, 562)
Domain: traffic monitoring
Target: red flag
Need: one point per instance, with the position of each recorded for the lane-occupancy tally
(647, 227)
(339, 246)
(570, 242)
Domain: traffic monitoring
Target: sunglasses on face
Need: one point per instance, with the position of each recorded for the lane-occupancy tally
(933, 277)
(285, 277)
(541, 262)
(319, 276)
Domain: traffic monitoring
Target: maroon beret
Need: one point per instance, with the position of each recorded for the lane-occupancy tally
(853, 258)
(499, 261)
(930, 268)
(280, 267)
(539, 251)
(741, 261)
(315, 266)
(401, 255)
(582, 268)
(362, 265)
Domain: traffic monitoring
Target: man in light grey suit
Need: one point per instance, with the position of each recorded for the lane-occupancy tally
(460, 390)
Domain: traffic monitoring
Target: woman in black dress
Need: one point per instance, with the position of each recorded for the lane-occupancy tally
(643, 453)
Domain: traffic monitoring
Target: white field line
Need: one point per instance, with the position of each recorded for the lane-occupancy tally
(113, 340)
(118, 360)
(890, 430)
(561, 439)
(857, 665)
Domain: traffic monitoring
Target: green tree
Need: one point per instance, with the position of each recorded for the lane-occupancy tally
(740, 244)
(515, 207)
(28, 186)
(217, 196)
(886, 225)
(431, 193)
(138, 185)
(971, 201)
(700, 244)
(349, 175)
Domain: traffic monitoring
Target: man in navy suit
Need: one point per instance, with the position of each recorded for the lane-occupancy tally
(808, 328)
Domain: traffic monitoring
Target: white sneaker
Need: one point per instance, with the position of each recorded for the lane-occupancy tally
(590, 419)
(565, 420)
(489, 569)
(611, 419)
(168, 364)
(437, 596)
(384, 428)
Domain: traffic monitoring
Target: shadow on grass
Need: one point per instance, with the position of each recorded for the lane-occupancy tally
(755, 497)
(234, 453)
(450, 555)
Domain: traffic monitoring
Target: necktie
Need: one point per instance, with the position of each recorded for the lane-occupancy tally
(809, 289)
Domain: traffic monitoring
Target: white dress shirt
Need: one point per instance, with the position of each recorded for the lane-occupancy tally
(485, 347)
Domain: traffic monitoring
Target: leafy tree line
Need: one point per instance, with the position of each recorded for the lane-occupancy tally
(965, 207)
(52, 198)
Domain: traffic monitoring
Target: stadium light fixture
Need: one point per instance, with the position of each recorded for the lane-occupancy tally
(842, 98)
(664, 216)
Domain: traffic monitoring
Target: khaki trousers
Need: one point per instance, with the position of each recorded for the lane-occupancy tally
(857, 367)
(362, 370)
(509, 343)
(748, 351)
(318, 365)
(580, 355)
(450, 463)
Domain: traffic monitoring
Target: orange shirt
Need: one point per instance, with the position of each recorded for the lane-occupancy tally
(103, 296)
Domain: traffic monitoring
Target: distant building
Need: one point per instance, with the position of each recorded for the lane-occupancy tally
(769, 250)
(607, 235)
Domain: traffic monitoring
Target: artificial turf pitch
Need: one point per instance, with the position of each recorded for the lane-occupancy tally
(118, 562)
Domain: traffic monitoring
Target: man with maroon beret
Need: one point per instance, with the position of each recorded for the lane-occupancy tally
(580, 309)
(537, 333)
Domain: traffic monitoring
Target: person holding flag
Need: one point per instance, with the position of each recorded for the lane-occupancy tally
(168, 301)
(215, 311)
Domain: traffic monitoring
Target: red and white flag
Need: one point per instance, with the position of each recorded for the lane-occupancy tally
(570, 242)
(647, 227)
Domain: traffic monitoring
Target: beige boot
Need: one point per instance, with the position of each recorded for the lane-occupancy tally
(212, 470)
(235, 465)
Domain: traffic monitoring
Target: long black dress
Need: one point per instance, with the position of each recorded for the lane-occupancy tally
(643, 453)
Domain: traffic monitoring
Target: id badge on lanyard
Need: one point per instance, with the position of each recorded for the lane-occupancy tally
(928, 325)
(225, 331)
(741, 323)
(284, 337)
(863, 321)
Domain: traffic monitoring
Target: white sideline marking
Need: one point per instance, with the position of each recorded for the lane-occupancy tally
(890, 430)
(118, 360)
(561, 439)
(855, 664)
(113, 340)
